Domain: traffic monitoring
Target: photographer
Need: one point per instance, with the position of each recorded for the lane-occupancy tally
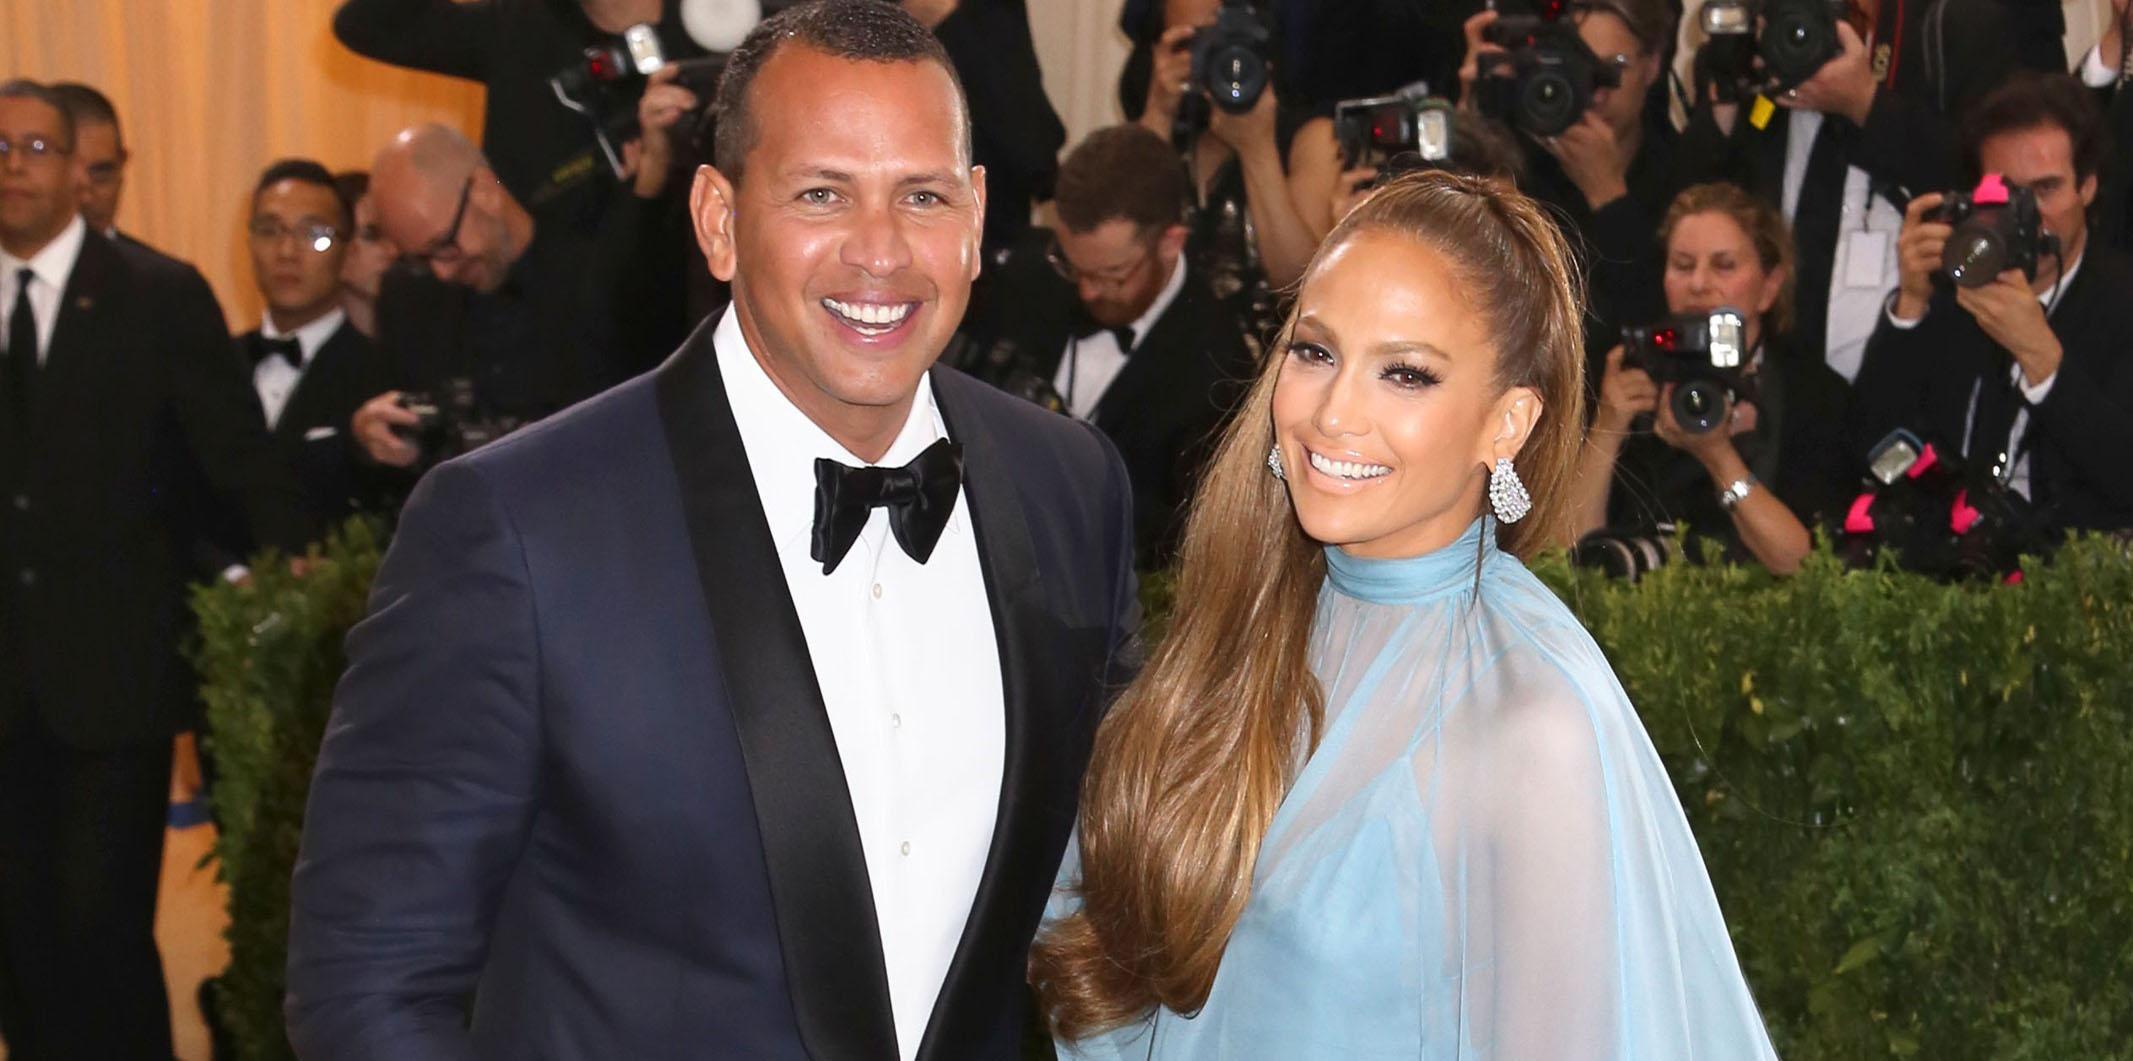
(1114, 325)
(2029, 376)
(1247, 230)
(1612, 171)
(1840, 152)
(1775, 461)
(531, 319)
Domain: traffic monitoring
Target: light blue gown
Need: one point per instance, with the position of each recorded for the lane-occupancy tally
(1483, 859)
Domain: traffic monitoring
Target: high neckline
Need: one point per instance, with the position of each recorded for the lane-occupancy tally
(1412, 579)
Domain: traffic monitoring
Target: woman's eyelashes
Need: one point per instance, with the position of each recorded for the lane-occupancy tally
(1310, 353)
(1411, 377)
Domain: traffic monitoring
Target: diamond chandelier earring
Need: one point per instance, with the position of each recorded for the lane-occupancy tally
(1273, 464)
(1507, 495)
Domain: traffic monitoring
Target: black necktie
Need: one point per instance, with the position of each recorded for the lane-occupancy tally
(21, 350)
(919, 497)
(286, 348)
(1999, 400)
(1817, 220)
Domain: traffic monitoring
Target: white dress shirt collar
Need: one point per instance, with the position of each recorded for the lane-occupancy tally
(53, 265)
(310, 337)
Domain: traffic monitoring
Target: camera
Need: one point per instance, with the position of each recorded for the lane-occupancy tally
(1628, 555)
(1372, 131)
(1938, 517)
(605, 82)
(1229, 58)
(1798, 37)
(452, 421)
(1703, 355)
(1997, 228)
(1551, 75)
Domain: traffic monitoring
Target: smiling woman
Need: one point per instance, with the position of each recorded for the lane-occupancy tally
(1378, 793)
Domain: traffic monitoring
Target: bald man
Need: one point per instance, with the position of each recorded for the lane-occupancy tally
(534, 315)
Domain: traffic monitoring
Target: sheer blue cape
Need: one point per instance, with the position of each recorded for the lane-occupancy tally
(1483, 858)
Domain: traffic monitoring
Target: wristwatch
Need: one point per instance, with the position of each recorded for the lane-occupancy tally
(1736, 492)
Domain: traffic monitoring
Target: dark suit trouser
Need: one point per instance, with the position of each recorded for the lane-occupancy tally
(81, 851)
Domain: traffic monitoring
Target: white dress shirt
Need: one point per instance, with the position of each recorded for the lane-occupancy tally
(910, 674)
(1856, 289)
(276, 379)
(1088, 367)
(2032, 393)
(52, 265)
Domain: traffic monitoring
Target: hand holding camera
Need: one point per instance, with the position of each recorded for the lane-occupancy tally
(1592, 158)
(1919, 248)
(2008, 311)
(1531, 69)
(1626, 392)
(1168, 79)
(664, 104)
(1843, 86)
(377, 426)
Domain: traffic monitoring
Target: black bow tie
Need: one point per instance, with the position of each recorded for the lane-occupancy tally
(919, 496)
(286, 348)
(1086, 327)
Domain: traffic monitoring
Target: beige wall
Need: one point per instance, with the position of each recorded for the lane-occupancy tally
(209, 92)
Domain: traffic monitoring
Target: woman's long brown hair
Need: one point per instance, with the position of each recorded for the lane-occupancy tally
(1198, 753)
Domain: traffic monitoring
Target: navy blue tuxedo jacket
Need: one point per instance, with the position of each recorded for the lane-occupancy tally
(579, 797)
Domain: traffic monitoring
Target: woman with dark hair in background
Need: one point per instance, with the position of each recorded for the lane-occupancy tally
(1378, 794)
(1758, 481)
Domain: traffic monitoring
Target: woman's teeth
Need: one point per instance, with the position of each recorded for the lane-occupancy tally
(1347, 469)
(869, 318)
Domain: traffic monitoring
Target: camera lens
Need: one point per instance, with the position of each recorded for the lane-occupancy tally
(1974, 258)
(1549, 104)
(1699, 405)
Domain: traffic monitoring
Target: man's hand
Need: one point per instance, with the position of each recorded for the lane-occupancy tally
(373, 426)
(1592, 158)
(1918, 251)
(931, 13)
(1166, 80)
(2009, 312)
(661, 108)
(1470, 67)
(1247, 133)
(1844, 86)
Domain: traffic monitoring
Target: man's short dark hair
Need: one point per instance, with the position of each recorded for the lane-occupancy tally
(353, 184)
(304, 171)
(2030, 100)
(24, 88)
(86, 106)
(1126, 173)
(866, 30)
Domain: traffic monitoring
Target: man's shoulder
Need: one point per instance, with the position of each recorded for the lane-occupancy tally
(577, 453)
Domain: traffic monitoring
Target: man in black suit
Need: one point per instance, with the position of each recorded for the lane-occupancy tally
(100, 156)
(1110, 323)
(311, 368)
(740, 711)
(2030, 377)
(1842, 153)
(120, 396)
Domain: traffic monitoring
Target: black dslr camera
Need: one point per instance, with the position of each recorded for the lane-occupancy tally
(1797, 38)
(1703, 355)
(605, 82)
(1372, 131)
(1940, 518)
(1230, 58)
(1552, 75)
(1997, 228)
(452, 421)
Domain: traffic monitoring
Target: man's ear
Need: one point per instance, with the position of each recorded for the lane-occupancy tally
(1511, 423)
(2088, 190)
(1171, 244)
(711, 201)
(977, 190)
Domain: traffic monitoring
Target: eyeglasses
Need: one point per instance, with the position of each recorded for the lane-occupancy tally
(316, 237)
(107, 171)
(445, 249)
(34, 149)
(1113, 278)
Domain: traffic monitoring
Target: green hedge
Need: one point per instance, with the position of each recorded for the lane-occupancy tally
(1915, 799)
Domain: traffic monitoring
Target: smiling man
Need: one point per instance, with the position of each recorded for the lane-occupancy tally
(739, 712)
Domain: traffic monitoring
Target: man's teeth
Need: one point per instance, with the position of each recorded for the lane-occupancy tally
(1348, 469)
(870, 317)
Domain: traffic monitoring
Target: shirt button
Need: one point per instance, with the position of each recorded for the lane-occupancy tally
(896, 721)
(877, 591)
(22, 502)
(28, 577)
(907, 847)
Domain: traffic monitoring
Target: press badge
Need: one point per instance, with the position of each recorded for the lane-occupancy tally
(1866, 258)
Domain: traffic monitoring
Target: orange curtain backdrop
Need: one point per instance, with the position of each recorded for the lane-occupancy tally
(210, 91)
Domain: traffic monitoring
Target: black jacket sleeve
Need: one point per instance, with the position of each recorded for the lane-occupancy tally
(440, 36)
(989, 42)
